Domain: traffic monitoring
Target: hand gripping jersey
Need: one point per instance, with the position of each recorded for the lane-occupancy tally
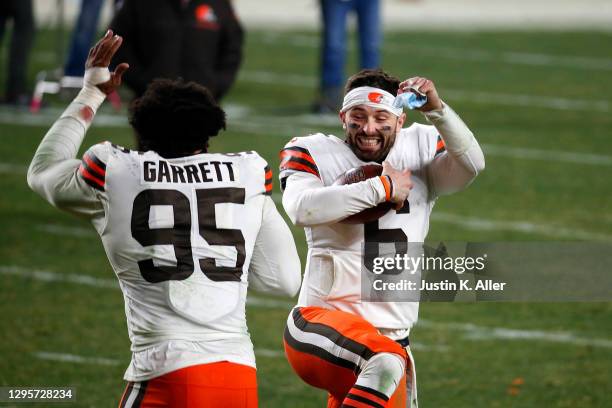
(333, 271)
(179, 233)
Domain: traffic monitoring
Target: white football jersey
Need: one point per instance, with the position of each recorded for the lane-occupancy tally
(179, 233)
(332, 277)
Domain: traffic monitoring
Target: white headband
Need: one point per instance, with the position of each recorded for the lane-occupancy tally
(373, 97)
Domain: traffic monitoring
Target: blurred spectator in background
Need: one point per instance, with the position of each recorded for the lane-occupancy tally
(83, 35)
(20, 12)
(198, 40)
(334, 14)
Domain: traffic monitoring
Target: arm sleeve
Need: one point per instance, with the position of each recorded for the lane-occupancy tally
(54, 172)
(275, 265)
(464, 158)
(230, 52)
(308, 201)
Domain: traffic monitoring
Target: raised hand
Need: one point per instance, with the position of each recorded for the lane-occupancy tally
(100, 56)
(424, 86)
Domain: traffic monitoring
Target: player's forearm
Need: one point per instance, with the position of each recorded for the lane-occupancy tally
(53, 170)
(275, 265)
(308, 202)
(458, 139)
(63, 140)
(465, 159)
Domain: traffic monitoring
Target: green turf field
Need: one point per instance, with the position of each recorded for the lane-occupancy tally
(539, 103)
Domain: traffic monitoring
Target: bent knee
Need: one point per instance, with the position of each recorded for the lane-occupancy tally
(390, 364)
(383, 372)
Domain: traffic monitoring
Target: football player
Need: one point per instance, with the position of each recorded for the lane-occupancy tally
(357, 350)
(184, 230)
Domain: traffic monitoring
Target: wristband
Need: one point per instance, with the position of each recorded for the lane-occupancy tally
(388, 185)
(90, 94)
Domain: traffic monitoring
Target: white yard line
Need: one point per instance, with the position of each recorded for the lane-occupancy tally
(476, 332)
(269, 353)
(473, 332)
(14, 169)
(528, 101)
(275, 78)
(269, 303)
(547, 155)
(47, 276)
(482, 224)
(420, 347)
(47, 116)
(73, 358)
(461, 54)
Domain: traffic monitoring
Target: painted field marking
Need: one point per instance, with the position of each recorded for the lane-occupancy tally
(482, 224)
(49, 115)
(73, 358)
(47, 276)
(16, 169)
(269, 353)
(476, 332)
(547, 155)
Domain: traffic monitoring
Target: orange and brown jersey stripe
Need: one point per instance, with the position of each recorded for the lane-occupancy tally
(93, 171)
(360, 396)
(268, 180)
(440, 146)
(299, 159)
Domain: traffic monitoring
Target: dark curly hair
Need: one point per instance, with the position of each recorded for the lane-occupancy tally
(376, 78)
(175, 118)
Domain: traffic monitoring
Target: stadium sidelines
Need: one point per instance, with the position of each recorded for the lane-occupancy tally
(470, 331)
(462, 54)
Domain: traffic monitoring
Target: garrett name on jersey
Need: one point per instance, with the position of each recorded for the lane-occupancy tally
(202, 172)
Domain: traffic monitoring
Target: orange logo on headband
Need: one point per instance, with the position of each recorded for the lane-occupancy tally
(375, 97)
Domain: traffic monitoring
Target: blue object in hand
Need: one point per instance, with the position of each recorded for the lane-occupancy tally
(410, 100)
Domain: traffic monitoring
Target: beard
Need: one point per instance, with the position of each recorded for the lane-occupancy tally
(373, 147)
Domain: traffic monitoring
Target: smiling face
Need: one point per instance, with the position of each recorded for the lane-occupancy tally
(371, 132)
